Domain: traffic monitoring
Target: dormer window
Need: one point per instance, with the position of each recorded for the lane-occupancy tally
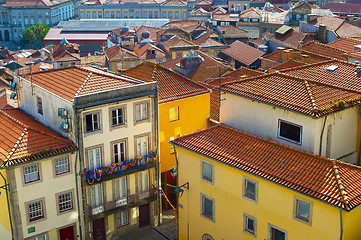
(152, 52)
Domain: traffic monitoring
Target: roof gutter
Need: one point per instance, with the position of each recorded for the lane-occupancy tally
(323, 129)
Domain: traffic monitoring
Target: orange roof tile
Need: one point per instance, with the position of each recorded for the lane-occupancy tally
(299, 56)
(243, 53)
(305, 96)
(288, 64)
(23, 139)
(143, 52)
(330, 181)
(345, 44)
(172, 86)
(324, 50)
(66, 56)
(119, 53)
(177, 41)
(75, 81)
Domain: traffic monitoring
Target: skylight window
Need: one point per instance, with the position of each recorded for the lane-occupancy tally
(332, 68)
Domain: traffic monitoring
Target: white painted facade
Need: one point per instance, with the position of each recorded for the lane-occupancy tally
(262, 120)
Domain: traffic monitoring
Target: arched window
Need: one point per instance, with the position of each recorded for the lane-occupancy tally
(7, 36)
(82, 48)
(92, 47)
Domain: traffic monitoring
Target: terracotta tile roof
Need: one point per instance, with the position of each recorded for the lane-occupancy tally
(152, 32)
(288, 64)
(206, 71)
(172, 86)
(224, 17)
(199, 11)
(174, 3)
(343, 7)
(23, 139)
(203, 2)
(182, 23)
(292, 38)
(177, 41)
(330, 181)
(66, 56)
(299, 56)
(219, 10)
(345, 44)
(355, 54)
(30, 3)
(243, 53)
(230, 29)
(117, 53)
(344, 77)
(75, 81)
(324, 50)
(250, 13)
(296, 94)
(143, 52)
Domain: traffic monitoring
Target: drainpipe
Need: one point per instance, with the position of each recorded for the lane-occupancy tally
(323, 128)
(359, 153)
(177, 184)
(7, 200)
(158, 168)
(75, 171)
(341, 225)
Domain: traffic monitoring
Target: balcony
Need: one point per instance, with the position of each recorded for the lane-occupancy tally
(130, 201)
(117, 172)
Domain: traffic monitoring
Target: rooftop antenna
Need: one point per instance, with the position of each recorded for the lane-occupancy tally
(29, 64)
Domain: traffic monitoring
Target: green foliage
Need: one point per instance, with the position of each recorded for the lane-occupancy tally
(34, 34)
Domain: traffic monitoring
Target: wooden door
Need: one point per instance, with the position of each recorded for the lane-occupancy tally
(67, 233)
(144, 215)
(99, 229)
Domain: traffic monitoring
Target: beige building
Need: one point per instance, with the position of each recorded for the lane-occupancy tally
(115, 126)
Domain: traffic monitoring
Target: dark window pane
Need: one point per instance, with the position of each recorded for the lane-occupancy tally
(95, 118)
(251, 190)
(278, 235)
(302, 210)
(290, 132)
(207, 171)
(89, 122)
(250, 225)
(208, 207)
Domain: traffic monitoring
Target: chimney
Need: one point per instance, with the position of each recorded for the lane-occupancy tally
(287, 55)
(280, 53)
(322, 33)
(305, 58)
(311, 17)
(350, 18)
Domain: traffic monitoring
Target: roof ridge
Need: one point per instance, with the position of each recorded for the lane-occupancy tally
(13, 119)
(17, 144)
(83, 85)
(309, 92)
(341, 189)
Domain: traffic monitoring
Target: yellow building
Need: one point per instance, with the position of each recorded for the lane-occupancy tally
(178, 113)
(239, 186)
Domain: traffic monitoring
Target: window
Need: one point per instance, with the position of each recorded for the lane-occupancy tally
(99, 14)
(39, 237)
(142, 146)
(207, 171)
(250, 189)
(94, 14)
(122, 218)
(143, 181)
(39, 104)
(145, 14)
(65, 202)
(207, 237)
(276, 233)
(62, 165)
(120, 188)
(117, 14)
(119, 152)
(174, 113)
(249, 224)
(302, 210)
(117, 116)
(31, 173)
(125, 14)
(107, 14)
(164, 14)
(155, 14)
(88, 15)
(136, 14)
(141, 111)
(112, 14)
(207, 207)
(150, 14)
(132, 64)
(289, 131)
(92, 122)
(119, 65)
(95, 158)
(170, 15)
(35, 211)
(176, 15)
(184, 15)
(96, 195)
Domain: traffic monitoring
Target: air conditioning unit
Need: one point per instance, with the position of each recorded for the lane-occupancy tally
(62, 112)
(65, 127)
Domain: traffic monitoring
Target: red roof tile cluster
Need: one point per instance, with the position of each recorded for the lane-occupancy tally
(250, 13)
(301, 95)
(243, 53)
(144, 51)
(117, 53)
(300, 56)
(342, 7)
(206, 71)
(345, 44)
(23, 139)
(292, 38)
(330, 181)
(324, 50)
(224, 17)
(30, 3)
(68, 83)
(288, 64)
(172, 86)
(174, 3)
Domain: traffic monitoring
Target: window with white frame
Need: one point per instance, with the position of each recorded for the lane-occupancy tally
(276, 233)
(250, 189)
(35, 211)
(164, 14)
(122, 217)
(207, 207)
(39, 104)
(119, 152)
(31, 173)
(289, 131)
(96, 195)
(142, 146)
(62, 165)
(65, 202)
(39, 237)
(207, 171)
(121, 188)
(119, 65)
(249, 224)
(302, 210)
(118, 116)
(141, 111)
(95, 158)
(143, 181)
(92, 122)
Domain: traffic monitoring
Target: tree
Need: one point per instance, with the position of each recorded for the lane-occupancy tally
(34, 34)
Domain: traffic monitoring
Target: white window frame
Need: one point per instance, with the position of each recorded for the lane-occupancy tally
(122, 218)
(92, 155)
(285, 138)
(39, 208)
(96, 195)
(94, 122)
(203, 177)
(118, 155)
(120, 188)
(245, 180)
(203, 199)
(30, 175)
(117, 116)
(39, 105)
(247, 217)
(141, 111)
(143, 181)
(63, 199)
(60, 164)
(142, 146)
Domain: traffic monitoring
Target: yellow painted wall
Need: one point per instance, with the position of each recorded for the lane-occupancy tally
(5, 229)
(126, 64)
(274, 206)
(192, 117)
